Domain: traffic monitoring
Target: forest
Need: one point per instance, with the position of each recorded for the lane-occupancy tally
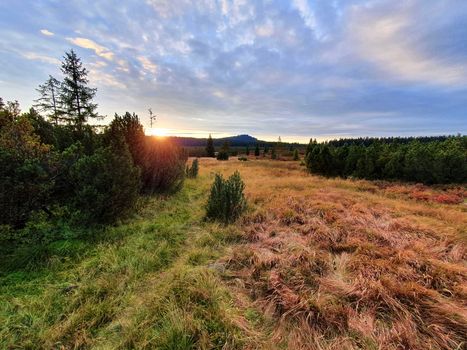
(428, 160)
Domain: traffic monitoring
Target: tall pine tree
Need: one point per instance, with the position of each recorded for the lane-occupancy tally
(49, 101)
(210, 151)
(75, 95)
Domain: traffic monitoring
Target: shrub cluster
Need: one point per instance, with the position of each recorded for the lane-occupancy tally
(226, 201)
(430, 161)
(64, 173)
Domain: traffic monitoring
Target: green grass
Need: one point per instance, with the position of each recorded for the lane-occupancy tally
(147, 283)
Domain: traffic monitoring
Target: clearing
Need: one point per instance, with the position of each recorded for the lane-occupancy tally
(315, 263)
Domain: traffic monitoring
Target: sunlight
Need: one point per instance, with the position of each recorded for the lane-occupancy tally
(160, 132)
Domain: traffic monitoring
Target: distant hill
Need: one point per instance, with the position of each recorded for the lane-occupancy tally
(234, 141)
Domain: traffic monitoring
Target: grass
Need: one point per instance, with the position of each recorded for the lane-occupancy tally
(314, 264)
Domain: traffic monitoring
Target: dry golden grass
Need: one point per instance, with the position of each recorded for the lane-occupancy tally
(347, 264)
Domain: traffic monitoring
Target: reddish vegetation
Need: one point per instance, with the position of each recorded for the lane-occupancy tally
(336, 267)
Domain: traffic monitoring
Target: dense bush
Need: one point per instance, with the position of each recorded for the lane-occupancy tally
(296, 155)
(106, 185)
(429, 161)
(25, 165)
(227, 200)
(192, 172)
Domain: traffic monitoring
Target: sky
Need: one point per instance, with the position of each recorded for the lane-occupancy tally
(296, 69)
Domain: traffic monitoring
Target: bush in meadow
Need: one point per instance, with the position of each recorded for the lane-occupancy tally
(226, 201)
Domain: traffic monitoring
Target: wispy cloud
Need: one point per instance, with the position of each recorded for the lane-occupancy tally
(46, 32)
(42, 58)
(92, 45)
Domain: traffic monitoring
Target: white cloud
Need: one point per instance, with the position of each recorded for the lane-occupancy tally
(89, 44)
(38, 57)
(46, 32)
(102, 78)
(147, 64)
(266, 29)
(305, 12)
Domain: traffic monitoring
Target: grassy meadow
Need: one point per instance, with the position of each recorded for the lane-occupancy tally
(315, 263)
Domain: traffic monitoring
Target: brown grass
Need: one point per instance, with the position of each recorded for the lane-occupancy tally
(350, 264)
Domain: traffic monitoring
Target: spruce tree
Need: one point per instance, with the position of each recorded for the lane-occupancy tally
(247, 150)
(75, 95)
(210, 151)
(295, 154)
(49, 100)
(257, 150)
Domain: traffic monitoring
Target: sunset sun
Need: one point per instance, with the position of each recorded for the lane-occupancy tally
(159, 132)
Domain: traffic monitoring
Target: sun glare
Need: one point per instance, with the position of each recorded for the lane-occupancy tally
(159, 132)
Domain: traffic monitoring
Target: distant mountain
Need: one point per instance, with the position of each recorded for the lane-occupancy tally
(234, 141)
(241, 140)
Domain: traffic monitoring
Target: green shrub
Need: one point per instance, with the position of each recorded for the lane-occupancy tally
(192, 172)
(243, 159)
(226, 202)
(222, 155)
(106, 185)
(296, 155)
(25, 181)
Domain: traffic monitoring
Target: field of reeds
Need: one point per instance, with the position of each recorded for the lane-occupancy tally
(314, 263)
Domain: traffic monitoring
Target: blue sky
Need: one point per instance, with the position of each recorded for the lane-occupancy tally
(295, 69)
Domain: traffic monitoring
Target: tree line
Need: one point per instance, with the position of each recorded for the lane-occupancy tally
(429, 160)
(56, 169)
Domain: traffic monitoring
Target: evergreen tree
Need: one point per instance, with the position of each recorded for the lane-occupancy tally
(295, 154)
(49, 100)
(224, 153)
(257, 150)
(247, 151)
(265, 150)
(210, 151)
(75, 95)
(273, 153)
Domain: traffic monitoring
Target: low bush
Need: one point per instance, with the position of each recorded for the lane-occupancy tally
(242, 159)
(222, 155)
(106, 185)
(296, 156)
(192, 172)
(227, 201)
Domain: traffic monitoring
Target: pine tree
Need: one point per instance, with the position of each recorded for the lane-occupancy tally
(295, 154)
(210, 151)
(257, 150)
(247, 150)
(273, 153)
(75, 95)
(49, 100)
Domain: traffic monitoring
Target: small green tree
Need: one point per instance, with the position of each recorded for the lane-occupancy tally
(210, 150)
(247, 150)
(257, 150)
(226, 201)
(192, 172)
(273, 153)
(224, 152)
(296, 156)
